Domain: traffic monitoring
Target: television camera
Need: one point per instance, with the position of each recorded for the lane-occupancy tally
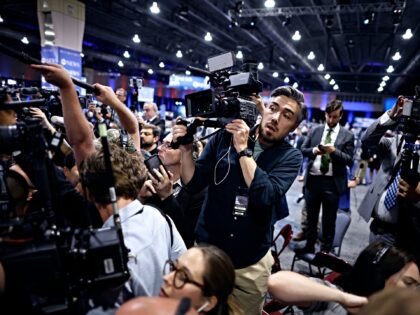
(54, 266)
(228, 98)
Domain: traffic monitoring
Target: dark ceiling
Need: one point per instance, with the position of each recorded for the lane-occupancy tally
(355, 54)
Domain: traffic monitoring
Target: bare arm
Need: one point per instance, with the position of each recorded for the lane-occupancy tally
(293, 288)
(187, 161)
(127, 118)
(79, 133)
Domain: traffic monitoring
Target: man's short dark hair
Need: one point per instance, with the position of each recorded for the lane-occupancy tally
(333, 106)
(155, 129)
(295, 95)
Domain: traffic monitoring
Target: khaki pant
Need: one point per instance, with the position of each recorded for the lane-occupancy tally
(251, 285)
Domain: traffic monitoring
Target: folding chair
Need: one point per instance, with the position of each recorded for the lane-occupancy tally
(341, 225)
(286, 232)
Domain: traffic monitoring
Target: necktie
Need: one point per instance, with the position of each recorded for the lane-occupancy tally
(325, 159)
(391, 194)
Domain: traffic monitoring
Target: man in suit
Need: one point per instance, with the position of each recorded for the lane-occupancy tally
(151, 116)
(329, 149)
(380, 200)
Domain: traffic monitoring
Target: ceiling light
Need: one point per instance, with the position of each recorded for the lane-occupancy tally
(179, 54)
(269, 3)
(161, 64)
(1, 19)
(327, 76)
(311, 55)
(136, 38)
(154, 8)
(321, 67)
(239, 54)
(397, 56)
(396, 16)
(187, 72)
(295, 85)
(335, 87)
(332, 82)
(296, 36)
(328, 21)
(286, 21)
(369, 17)
(82, 55)
(390, 69)
(150, 71)
(382, 84)
(385, 78)
(49, 42)
(120, 64)
(407, 34)
(206, 66)
(260, 66)
(275, 74)
(126, 54)
(208, 37)
(286, 80)
(25, 40)
(49, 33)
(380, 89)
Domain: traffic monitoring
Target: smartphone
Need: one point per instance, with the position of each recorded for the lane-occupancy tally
(153, 162)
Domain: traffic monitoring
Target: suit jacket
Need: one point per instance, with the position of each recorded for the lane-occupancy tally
(157, 121)
(386, 149)
(342, 156)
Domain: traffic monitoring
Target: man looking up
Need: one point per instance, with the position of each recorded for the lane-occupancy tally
(247, 173)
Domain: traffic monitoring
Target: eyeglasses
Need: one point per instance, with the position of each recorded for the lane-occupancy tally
(180, 277)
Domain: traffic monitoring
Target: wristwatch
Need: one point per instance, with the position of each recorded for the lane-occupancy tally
(247, 152)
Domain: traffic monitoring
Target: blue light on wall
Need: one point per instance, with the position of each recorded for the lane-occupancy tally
(350, 117)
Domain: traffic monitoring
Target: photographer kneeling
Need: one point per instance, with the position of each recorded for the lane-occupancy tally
(247, 172)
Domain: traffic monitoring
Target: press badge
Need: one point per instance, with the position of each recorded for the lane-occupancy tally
(241, 203)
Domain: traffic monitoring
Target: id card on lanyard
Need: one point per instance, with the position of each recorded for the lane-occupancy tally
(241, 202)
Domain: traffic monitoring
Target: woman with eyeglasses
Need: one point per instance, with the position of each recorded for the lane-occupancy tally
(205, 275)
(377, 267)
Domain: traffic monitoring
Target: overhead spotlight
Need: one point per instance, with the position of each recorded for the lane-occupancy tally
(396, 16)
(208, 37)
(120, 64)
(328, 21)
(155, 8)
(206, 66)
(260, 66)
(335, 87)
(397, 56)
(311, 55)
(82, 55)
(332, 82)
(126, 54)
(1, 19)
(161, 64)
(296, 36)
(321, 67)
(407, 34)
(150, 71)
(270, 3)
(380, 89)
(382, 84)
(369, 17)
(385, 78)
(390, 69)
(187, 72)
(239, 54)
(327, 76)
(49, 33)
(295, 85)
(286, 80)
(286, 21)
(25, 40)
(275, 74)
(136, 38)
(179, 54)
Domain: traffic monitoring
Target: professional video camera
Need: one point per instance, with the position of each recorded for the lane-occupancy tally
(56, 266)
(228, 97)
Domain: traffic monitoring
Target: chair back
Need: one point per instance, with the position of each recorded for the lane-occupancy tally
(286, 232)
(342, 224)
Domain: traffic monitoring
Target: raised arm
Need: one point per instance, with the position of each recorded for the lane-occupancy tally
(79, 133)
(127, 118)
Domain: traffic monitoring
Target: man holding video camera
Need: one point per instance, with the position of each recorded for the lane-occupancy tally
(393, 221)
(247, 172)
